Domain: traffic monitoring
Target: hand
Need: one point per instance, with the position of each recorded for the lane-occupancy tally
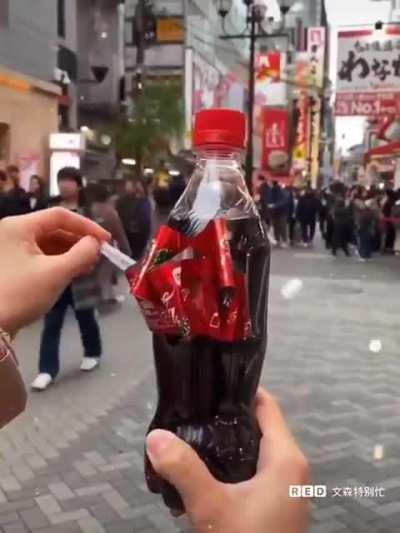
(260, 505)
(30, 280)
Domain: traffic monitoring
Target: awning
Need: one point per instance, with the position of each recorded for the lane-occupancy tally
(387, 150)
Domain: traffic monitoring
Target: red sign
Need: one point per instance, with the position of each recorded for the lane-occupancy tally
(268, 67)
(367, 104)
(275, 156)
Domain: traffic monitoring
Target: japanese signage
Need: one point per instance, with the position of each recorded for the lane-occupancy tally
(368, 60)
(275, 140)
(316, 42)
(301, 114)
(170, 30)
(367, 104)
(268, 69)
(316, 50)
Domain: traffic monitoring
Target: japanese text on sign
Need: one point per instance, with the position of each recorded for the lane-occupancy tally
(368, 63)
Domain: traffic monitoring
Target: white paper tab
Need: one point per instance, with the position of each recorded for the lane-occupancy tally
(117, 258)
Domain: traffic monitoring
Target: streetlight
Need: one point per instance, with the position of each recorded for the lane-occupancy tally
(256, 11)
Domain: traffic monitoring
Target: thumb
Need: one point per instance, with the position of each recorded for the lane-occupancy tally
(180, 465)
(80, 259)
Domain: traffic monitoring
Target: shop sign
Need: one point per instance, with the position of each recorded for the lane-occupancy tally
(316, 41)
(300, 153)
(368, 60)
(367, 104)
(275, 140)
(170, 30)
(14, 83)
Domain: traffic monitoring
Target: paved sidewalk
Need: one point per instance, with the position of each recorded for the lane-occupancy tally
(73, 462)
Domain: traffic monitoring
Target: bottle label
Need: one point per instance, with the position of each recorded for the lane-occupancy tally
(203, 295)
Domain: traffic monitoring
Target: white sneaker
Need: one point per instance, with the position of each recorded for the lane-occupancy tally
(42, 382)
(89, 363)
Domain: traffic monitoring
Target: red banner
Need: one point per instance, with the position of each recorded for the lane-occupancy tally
(367, 104)
(275, 153)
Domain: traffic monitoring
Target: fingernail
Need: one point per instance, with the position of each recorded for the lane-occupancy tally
(157, 442)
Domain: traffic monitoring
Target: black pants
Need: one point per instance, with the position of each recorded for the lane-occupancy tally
(308, 230)
(49, 361)
(292, 228)
(340, 239)
(365, 240)
(137, 243)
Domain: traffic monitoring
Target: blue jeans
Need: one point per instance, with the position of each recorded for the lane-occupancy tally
(365, 243)
(49, 360)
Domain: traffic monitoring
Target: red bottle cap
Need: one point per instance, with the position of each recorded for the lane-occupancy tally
(220, 127)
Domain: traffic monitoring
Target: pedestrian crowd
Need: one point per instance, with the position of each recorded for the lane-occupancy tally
(359, 221)
(127, 217)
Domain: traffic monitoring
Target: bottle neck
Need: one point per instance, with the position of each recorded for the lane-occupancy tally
(220, 153)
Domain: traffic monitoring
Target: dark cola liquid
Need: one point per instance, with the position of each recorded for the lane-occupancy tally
(206, 388)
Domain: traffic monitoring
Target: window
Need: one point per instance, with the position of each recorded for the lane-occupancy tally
(61, 18)
(4, 12)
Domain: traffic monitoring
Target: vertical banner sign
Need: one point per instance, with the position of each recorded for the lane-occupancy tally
(275, 145)
(301, 143)
(316, 42)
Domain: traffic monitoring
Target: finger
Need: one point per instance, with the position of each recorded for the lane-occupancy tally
(79, 260)
(57, 218)
(275, 431)
(179, 464)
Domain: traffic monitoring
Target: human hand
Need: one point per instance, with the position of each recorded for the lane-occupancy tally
(260, 505)
(40, 255)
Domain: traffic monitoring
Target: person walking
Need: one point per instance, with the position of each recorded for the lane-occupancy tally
(16, 200)
(104, 213)
(82, 295)
(291, 213)
(342, 227)
(277, 203)
(366, 230)
(307, 213)
(388, 228)
(37, 194)
(134, 209)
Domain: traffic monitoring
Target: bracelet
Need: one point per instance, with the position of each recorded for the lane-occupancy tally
(6, 348)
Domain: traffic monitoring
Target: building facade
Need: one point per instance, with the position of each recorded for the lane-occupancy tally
(28, 98)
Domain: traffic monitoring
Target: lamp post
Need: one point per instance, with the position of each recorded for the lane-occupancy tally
(255, 15)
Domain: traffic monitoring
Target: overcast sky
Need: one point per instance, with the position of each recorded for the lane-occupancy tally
(342, 12)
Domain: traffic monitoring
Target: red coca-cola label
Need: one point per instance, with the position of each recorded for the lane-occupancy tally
(201, 295)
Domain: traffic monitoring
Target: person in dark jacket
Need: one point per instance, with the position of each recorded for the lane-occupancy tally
(291, 213)
(134, 209)
(342, 227)
(366, 229)
(37, 194)
(277, 204)
(16, 200)
(176, 188)
(389, 231)
(83, 295)
(307, 213)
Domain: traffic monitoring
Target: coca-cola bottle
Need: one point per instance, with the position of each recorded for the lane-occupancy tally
(203, 290)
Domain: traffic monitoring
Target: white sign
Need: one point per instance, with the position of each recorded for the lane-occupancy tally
(59, 160)
(368, 60)
(67, 141)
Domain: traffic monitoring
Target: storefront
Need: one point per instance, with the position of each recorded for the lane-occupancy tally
(28, 114)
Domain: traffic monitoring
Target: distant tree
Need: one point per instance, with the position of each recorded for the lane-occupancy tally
(157, 116)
